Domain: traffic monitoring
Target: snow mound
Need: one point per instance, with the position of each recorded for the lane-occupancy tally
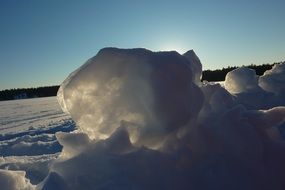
(274, 79)
(147, 122)
(231, 151)
(14, 180)
(150, 93)
(256, 92)
(241, 80)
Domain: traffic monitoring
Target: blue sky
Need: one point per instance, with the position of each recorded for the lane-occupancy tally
(41, 42)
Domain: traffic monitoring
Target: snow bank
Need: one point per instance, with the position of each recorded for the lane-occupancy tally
(256, 92)
(231, 152)
(145, 121)
(145, 124)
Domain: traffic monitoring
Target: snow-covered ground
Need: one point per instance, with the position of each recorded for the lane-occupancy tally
(29, 115)
(27, 134)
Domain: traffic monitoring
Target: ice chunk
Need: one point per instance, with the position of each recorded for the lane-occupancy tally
(14, 180)
(241, 80)
(195, 65)
(152, 93)
(217, 99)
(255, 92)
(73, 143)
(243, 84)
(274, 80)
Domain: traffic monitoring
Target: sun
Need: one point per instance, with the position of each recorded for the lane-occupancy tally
(173, 47)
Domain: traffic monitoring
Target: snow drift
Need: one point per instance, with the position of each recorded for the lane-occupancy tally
(145, 121)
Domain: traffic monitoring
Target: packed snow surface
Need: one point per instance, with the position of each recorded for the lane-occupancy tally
(145, 121)
(27, 140)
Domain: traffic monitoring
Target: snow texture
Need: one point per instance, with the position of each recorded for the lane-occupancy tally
(27, 138)
(14, 180)
(145, 121)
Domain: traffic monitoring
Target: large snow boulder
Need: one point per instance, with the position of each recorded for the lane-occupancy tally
(140, 89)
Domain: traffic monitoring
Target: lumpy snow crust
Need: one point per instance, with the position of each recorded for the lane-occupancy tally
(28, 144)
(256, 92)
(145, 121)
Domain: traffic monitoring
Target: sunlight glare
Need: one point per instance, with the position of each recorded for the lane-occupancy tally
(174, 47)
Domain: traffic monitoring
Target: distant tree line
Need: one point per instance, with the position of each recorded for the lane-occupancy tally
(220, 74)
(208, 75)
(22, 93)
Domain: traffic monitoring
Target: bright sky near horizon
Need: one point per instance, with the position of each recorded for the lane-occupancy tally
(41, 42)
